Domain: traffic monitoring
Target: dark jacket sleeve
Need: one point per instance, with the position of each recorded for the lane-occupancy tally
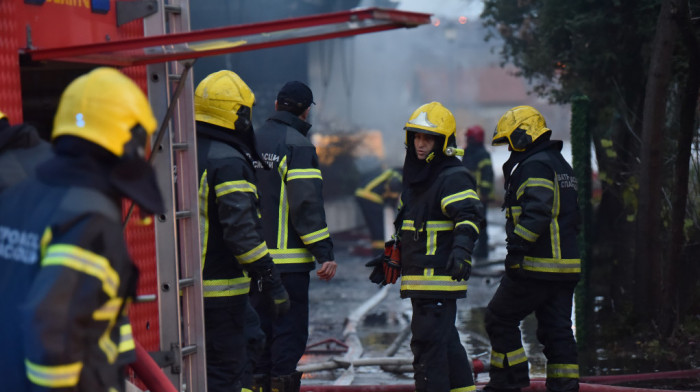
(460, 203)
(239, 216)
(486, 190)
(535, 195)
(306, 211)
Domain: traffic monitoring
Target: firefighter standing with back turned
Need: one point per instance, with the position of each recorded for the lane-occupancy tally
(294, 222)
(376, 192)
(542, 264)
(233, 244)
(66, 278)
(437, 224)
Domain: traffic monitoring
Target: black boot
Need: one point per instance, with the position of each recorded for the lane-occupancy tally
(286, 383)
(261, 383)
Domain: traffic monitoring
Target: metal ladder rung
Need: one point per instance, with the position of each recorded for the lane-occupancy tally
(183, 214)
(173, 9)
(186, 282)
(180, 146)
(189, 350)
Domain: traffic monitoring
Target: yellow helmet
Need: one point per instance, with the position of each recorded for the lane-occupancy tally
(435, 119)
(103, 106)
(519, 127)
(223, 99)
(2, 115)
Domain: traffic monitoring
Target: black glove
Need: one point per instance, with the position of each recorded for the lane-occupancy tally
(459, 264)
(270, 285)
(377, 274)
(514, 261)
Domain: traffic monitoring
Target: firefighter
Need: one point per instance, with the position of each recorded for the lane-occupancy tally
(233, 249)
(436, 227)
(542, 264)
(478, 161)
(66, 278)
(21, 151)
(376, 192)
(294, 222)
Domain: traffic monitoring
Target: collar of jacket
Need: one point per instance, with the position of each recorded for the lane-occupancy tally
(18, 136)
(518, 156)
(245, 144)
(292, 120)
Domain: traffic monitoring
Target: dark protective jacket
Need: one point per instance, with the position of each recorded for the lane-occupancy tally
(63, 232)
(21, 151)
(294, 219)
(542, 214)
(232, 234)
(478, 161)
(383, 188)
(430, 223)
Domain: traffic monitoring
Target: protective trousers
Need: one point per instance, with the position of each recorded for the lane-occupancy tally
(515, 298)
(374, 218)
(255, 339)
(286, 336)
(226, 345)
(440, 362)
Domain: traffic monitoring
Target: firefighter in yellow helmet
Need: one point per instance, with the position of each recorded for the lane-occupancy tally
(21, 151)
(66, 278)
(438, 222)
(542, 264)
(233, 249)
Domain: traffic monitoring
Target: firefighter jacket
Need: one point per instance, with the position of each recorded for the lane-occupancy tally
(431, 221)
(542, 213)
(478, 161)
(66, 280)
(231, 229)
(21, 151)
(382, 188)
(294, 219)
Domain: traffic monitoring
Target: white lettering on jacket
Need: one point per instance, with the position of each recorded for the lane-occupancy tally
(19, 246)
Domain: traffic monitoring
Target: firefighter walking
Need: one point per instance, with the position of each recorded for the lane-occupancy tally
(542, 264)
(233, 248)
(66, 278)
(438, 222)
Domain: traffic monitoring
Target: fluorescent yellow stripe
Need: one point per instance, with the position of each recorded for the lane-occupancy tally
(516, 357)
(525, 233)
(204, 215)
(126, 341)
(253, 255)
(291, 256)
(61, 376)
(82, 260)
(431, 283)
(226, 287)
(369, 195)
(468, 223)
(297, 174)
(316, 236)
(447, 200)
(497, 359)
(540, 264)
(283, 212)
(235, 186)
(562, 370)
(464, 389)
(543, 182)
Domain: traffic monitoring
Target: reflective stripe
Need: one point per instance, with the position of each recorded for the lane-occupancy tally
(408, 225)
(126, 338)
(226, 287)
(108, 312)
(369, 195)
(543, 182)
(432, 228)
(204, 215)
(297, 174)
(469, 223)
(539, 264)
(235, 186)
(484, 162)
(431, 283)
(253, 255)
(464, 389)
(562, 370)
(366, 191)
(283, 212)
(516, 212)
(45, 241)
(516, 357)
(554, 225)
(525, 233)
(497, 359)
(82, 260)
(316, 236)
(447, 200)
(60, 376)
(291, 256)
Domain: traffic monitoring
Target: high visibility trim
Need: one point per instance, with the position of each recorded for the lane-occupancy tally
(60, 376)
(204, 215)
(447, 200)
(369, 195)
(497, 359)
(540, 264)
(45, 241)
(431, 283)
(226, 287)
(525, 233)
(298, 174)
(85, 261)
(532, 182)
(554, 225)
(468, 223)
(283, 212)
(253, 255)
(316, 236)
(291, 256)
(108, 312)
(514, 212)
(235, 186)
(516, 357)
(464, 389)
(483, 163)
(562, 370)
(126, 338)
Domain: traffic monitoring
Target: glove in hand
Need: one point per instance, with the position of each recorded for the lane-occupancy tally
(459, 264)
(392, 262)
(514, 260)
(270, 285)
(377, 274)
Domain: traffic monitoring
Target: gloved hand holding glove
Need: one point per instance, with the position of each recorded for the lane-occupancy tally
(377, 274)
(387, 267)
(459, 264)
(270, 284)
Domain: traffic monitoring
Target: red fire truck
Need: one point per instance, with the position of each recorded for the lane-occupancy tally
(44, 44)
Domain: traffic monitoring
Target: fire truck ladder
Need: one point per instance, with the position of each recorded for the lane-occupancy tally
(177, 231)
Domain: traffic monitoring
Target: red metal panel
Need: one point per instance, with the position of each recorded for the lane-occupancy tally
(10, 40)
